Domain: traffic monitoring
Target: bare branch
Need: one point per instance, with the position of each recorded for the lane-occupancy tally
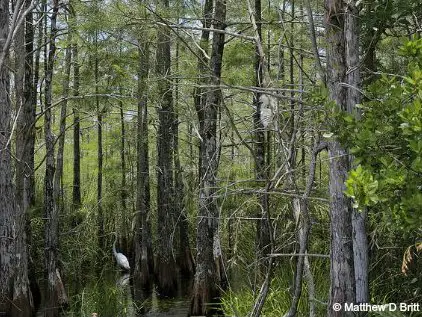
(274, 255)
(314, 41)
(17, 21)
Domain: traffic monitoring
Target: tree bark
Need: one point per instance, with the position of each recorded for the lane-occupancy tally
(54, 287)
(202, 68)
(311, 288)
(166, 265)
(41, 37)
(360, 241)
(143, 267)
(99, 109)
(342, 288)
(20, 108)
(261, 167)
(207, 280)
(303, 221)
(30, 92)
(15, 295)
(76, 188)
(123, 190)
(321, 70)
(292, 118)
(184, 258)
(28, 154)
(58, 181)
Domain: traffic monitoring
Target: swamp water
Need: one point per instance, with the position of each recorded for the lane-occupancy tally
(111, 296)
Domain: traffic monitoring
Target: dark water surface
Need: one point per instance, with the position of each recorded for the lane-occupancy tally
(154, 305)
(111, 296)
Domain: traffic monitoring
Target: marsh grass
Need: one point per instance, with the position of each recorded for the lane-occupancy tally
(104, 297)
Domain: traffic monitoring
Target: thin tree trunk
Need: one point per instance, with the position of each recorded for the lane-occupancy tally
(207, 281)
(311, 287)
(29, 110)
(304, 226)
(58, 181)
(41, 37)
(342, 288)
(44, 46)
(143, 267)
(166, 265)
(76, 188)
(99, 109)
(123, 190)
(292, 118)
(202, 68)
(314, 41)
(76, 182)
(54, 287)
(185, 258)
(261, 168)
(302, 128)
(100, 219)
(20, 109)
(30, 92)
(200, 294)
(126, 226)
(360, 241)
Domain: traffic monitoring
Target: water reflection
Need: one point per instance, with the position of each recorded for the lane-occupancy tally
(123, 280)
(113, 295)
(150, 304)
(156, 306)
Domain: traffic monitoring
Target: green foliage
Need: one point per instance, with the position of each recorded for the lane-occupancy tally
(412, 48)
(362, 188)
(387, 144)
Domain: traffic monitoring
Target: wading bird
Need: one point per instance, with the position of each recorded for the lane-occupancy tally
(121, 259)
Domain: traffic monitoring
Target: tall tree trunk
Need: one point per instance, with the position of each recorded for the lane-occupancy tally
(99, 109)
(360, 241)
(58, 176)
(281, 77)
(342, 288)
(76, 188)
(166, 265)
(185, 258)
(41, 37)
(202, 68)
(29, 110)
(15, 296)
(54, 294)
(123, 190)
(125, 225)
(207, 279)
(292, 118)
(21, 128)
(30, 91)
(261, 168)
(28, 154)
(143, 246)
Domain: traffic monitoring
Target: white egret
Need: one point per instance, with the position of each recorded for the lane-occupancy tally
(121, 259)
